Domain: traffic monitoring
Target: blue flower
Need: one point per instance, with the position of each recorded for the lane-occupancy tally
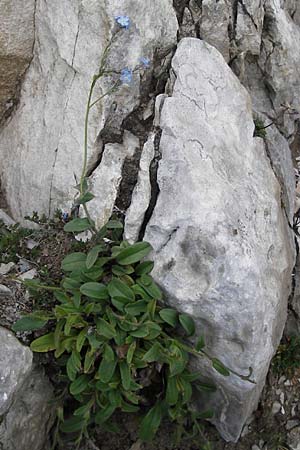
(65, 216)
(126, 76)
(145, 62)
(123, 21)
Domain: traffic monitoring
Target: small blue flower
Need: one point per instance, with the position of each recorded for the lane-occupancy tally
(126, 76)
(65, 216)
(145, 62)
(123, 21)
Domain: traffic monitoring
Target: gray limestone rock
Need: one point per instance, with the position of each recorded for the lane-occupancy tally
(15, 366)
(41, 144)
(16, 48)
(141, 196)
(25, 393)
(222, 247)
(214, 24)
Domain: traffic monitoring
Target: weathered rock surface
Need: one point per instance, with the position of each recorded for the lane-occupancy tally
(41, 144)
(222, 247)
(26, 415)
(16, 363)
(16, 48)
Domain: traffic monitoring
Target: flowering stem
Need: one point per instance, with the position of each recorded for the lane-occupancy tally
(105, 94)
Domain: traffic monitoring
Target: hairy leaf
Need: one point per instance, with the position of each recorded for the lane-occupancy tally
(134, 253)
(43, 344)
(77, 225)
(187, 323)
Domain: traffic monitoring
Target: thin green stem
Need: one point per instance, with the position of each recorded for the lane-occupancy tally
(105, 94)
(89, 105)
(37, 286)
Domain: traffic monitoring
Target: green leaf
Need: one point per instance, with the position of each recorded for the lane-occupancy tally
(105, 413)
(115, 398)
(125, 374)
(177, 361)
(81, 339)
(89, 360)
(73, 320)
(200, 344)
(187, 323)
(85, 198)
(209, 414)
(74, 262)
(79, 385)
(150, 287)
(106, 370)
(73, 365)
(93, 274)
(154, 330)
(151, 422)
(77, 225)
(141, 332)
(29, 323)
(130, 352)
(136, 308)
(191, 376)
(153, 354)
(70, 284)
(144, 268)
(134, 253)
(114, 224)
(84, 410)
(126, 407)
(119, 271)
(105, 329)
(220, 367)
(73, 424)
(108, 354)
(172, 391)
(117, 288)
(58, 332)
(92, 256)
(169, 316)
(94, 290)
(205, 387)
(43, 344)
(186, 389)
(61, 297)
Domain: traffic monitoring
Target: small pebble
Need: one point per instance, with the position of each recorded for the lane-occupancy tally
(29, 275)
(255, 447)
(24, 265)
(5, 291)
(276, 408)
(282, 398)
(281, 379)
(5, 268)
(293, 410)
(30, 244)
(292, 424)
(288, 383)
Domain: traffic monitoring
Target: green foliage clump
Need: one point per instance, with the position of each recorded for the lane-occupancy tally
(260, 129)
(117, 344)
(287, 358)
(12, 242)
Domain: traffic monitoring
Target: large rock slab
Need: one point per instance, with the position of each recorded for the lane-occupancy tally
(41, 145)
(222, 248)
(15, 366)
(25, 393)
(16, 48)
